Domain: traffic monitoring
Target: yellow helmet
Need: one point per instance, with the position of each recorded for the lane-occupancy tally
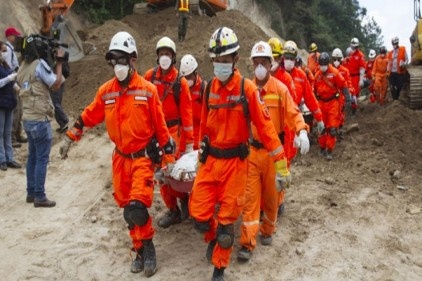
(313, 47)
(290, 48)
(276, 46)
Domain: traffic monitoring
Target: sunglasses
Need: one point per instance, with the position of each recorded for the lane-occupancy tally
(120, 60)
(336, 59)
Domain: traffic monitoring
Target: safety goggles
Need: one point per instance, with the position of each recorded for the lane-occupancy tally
(336, 59)
(118, 60)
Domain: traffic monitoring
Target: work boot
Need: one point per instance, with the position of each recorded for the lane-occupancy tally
(266, 240)
(150, 260)
(44, 204)
(171, 217)
(329, 155)
(184, 209)
(138, 262)
(210, 249)
(218, 274)
(244, 254)
(323, 152)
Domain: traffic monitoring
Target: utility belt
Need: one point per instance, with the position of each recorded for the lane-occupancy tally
(172, 123)
(135, 155)
(335, 96)
(257, 144)
(241, 151)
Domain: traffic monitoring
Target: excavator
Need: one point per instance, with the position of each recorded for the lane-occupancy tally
(415, 68)
(210, 7)
(56, 26)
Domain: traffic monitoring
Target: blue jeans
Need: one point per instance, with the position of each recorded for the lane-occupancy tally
(40, 139)
(59, 113)
(6, 150)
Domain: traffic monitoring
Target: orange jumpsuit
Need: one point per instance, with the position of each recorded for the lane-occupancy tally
(309, 75)
(222, 181)
(132, 117)
(313, 63)
(356, 61)
(379, 74)
(178, 119)
(346, 75)
(369, 65)
(327, 87)
(260, 190)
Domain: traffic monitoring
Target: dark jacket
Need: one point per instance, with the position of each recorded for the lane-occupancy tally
(8, 99)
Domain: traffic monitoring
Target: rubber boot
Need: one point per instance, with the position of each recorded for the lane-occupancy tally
(329, 156)
(218, 274)
(138, 262)
(171, 217)
(184, 209)
(244, 254)
(150, 260)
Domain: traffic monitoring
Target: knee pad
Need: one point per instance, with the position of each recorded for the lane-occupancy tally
(201, 227)
(225, 235)
(138, 213)
(333, 132)
(126, 211)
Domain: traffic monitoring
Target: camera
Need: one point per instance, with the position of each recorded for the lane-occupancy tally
(36, 46)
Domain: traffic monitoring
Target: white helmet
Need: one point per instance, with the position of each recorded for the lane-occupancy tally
(122, 41)
(372, 54)
(223, 42)
(290, 47)
(262, 49)
(337, 53)
(166, 42)
(395, 40)
(354, 42)
(188, 65)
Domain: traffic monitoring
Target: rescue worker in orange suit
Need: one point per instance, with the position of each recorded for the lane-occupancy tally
(228, 109)
(188, 69)
(313, 58)
(379, 76)
(328, 84)
(337, 58)
(304, 92)
(397, 60)
(133, 115)
(177, 105)
(368, 71)
(309, 75)
(183, 13)
(261, 190)
(356, 67)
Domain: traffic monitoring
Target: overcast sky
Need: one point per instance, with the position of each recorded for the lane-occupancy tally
(394, 17)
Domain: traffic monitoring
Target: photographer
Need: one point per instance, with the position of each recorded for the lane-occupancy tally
(37, 79)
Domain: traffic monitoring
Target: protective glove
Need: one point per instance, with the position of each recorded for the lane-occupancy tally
(302, 142)
(320, 126)
(282, 178)
(65, 146)
(12, 77)
(189, 148)
(401, 63)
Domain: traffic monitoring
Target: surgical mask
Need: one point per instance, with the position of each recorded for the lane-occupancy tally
(336, 63)
(289, 64)
(260, 72)
(121, 71)
(222, 70)
(190, 83)
(3, 56)
(323, 68)
(164, 62)
(274, 66)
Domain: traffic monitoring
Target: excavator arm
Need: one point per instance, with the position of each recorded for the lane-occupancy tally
(50, 11)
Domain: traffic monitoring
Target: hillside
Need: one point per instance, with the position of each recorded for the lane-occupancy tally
(357, 217)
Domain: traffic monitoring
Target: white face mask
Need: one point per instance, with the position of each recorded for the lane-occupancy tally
(336, 63)
(190, 83)
(164, 62)
(222, 70)
(260, 72)
(121, 71)
(289, 64)
(3, 56)
(323, 68)
(274, 66)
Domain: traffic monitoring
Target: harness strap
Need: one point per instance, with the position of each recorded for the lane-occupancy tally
(138, 154)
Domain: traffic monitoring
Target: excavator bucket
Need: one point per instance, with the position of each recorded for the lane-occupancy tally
(211, 7)
(69, 36)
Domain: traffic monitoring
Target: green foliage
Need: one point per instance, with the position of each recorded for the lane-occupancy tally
(329, 23)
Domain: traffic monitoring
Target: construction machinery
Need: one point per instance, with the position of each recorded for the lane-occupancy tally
(415, 68)
(209, 7)
(54, 24)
